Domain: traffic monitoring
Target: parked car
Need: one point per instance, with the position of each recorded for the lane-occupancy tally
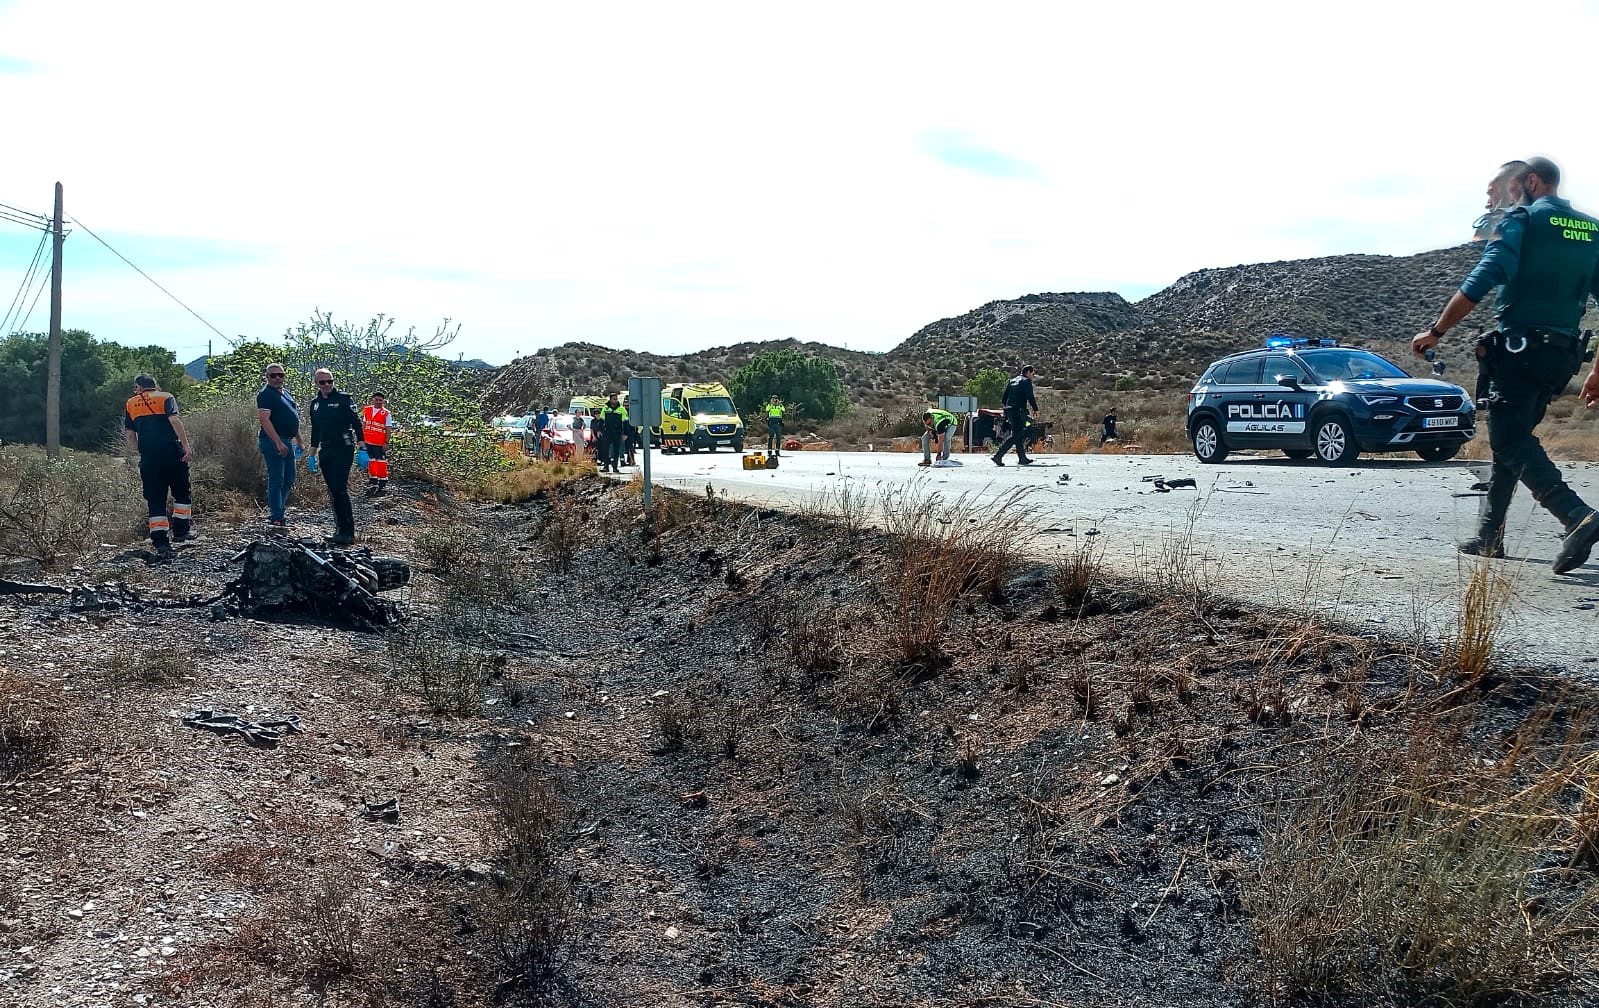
(1311, 397)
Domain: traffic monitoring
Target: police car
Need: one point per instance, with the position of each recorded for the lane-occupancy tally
(1312, 397)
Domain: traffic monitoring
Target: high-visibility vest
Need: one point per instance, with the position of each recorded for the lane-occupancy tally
(375, 424)
(774, 411)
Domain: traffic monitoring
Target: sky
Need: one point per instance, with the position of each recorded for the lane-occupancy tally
(675, 176)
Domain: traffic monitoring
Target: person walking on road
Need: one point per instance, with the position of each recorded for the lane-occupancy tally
(335, 435)
(150, 420)
(612, 429)
(376, 422)
(1545, 261)
(1019, 404)
(938, 425)
(774, 426)
(279, 443)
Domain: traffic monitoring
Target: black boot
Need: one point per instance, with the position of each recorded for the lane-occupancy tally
(1578, 544)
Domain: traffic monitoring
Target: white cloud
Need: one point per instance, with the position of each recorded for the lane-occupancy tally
(671, 176)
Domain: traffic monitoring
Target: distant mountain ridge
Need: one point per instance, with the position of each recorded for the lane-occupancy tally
(1079, 341)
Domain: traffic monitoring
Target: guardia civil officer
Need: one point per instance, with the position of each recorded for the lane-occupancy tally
(1018, 402)
(335, 435)
(1545, 260)
(774, 426)
(940, 426)
(611, 426)
(150, 420)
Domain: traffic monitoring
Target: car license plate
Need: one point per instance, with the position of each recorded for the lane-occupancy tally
(1441, 421)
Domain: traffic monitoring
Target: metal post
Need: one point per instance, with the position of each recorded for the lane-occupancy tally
(645, 431)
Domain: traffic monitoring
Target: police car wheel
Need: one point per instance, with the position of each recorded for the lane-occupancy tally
(1334, 444)
(1298, 454)
(1439, 453)
(1208, 445)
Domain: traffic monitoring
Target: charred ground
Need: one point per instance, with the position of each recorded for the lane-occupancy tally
(717, 755)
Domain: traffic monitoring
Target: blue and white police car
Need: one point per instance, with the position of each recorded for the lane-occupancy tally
(1310, 397)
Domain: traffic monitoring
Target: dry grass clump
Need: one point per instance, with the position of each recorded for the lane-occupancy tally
(57, 510)
(434, 660)
(528, 478)
(1421, 873)
(1081, 566)
(32, 726)
(472, 563)
(939, 550)
(529, 917)
(1485, 601)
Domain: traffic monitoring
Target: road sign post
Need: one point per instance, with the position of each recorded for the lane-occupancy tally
(644, 410)
(963, 406)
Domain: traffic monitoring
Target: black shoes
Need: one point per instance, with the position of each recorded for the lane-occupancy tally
(1025, 461)
(1578, 544)
(997, 461)
(1489, 546)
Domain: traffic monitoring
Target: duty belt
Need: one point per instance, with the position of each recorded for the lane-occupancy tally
(1516, 340)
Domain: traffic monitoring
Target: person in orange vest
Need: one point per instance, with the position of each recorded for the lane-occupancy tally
(150, 419)
(376, 422)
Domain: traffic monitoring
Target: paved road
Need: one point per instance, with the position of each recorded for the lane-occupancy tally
(1370, 543)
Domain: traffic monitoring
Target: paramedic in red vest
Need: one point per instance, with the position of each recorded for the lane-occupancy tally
(376, 422)
(151, 423)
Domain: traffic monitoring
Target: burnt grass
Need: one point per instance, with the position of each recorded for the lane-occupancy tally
(673, 759)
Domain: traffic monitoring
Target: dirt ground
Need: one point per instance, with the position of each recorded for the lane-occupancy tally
(681, 759)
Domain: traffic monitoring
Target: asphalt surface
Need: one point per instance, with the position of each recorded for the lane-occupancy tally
(1371, 545)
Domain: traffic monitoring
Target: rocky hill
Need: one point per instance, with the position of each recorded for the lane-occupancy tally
(1080, 341)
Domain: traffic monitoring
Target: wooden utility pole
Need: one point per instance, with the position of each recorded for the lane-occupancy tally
(52, 388)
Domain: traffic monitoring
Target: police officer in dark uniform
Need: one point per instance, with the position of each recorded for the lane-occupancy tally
(1545, 260)
(335, 435)
(1019, 403)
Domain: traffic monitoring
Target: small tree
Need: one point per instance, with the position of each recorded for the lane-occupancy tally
(988, 385)
(1125, 383)
(804, 380)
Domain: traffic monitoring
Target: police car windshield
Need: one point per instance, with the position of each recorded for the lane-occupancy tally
(1344, 364)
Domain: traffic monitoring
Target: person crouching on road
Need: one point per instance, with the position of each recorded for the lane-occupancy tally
(612, 429)
(152, 427)
(376, 422)
(938, 425)
(335, 434)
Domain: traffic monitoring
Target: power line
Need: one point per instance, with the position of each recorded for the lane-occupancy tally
(147, 276)
(24, 326)
(25, 213)
(21, 296)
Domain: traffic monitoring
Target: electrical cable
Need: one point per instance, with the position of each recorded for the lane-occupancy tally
(38, 294)
(21, 296)
(41, 220)
(147, 276)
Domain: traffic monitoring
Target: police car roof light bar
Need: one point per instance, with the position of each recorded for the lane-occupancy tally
(1282, 342)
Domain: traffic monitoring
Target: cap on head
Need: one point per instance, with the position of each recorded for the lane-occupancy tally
(144, 381)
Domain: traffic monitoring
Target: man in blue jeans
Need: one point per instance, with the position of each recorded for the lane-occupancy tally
(280, 437)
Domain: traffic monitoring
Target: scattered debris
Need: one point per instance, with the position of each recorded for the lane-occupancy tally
(259, 734)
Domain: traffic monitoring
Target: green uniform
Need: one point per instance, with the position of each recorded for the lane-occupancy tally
(1545, 262)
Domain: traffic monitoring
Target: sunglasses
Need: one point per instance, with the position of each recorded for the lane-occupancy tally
(274, 374)
(324, 381)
